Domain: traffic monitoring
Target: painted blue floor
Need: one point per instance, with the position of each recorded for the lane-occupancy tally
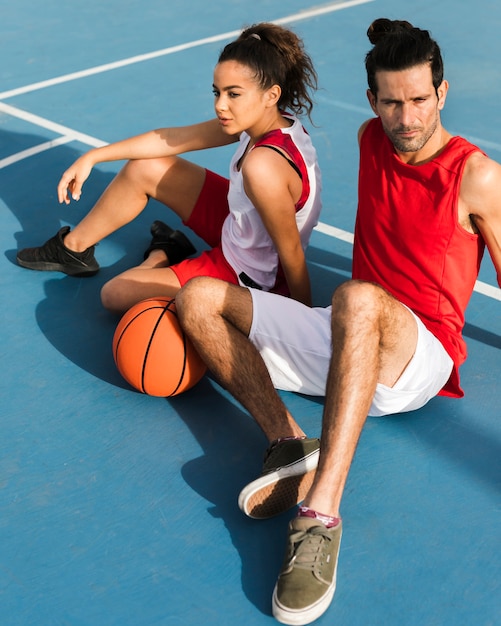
(120, 509)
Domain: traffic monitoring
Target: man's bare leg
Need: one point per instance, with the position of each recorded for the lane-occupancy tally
(218, 317)
(374, 338)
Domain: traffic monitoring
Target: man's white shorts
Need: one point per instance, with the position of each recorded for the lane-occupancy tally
(295, 343)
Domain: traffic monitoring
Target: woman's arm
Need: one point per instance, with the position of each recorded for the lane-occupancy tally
(158, 143)
(274, 187)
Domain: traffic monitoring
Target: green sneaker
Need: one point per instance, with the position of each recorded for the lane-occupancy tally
(307, 580)
(288, 472)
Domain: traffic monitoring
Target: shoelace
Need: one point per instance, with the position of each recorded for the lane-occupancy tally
(309, 546)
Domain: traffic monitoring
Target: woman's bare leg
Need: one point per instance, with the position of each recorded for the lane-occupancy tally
(173, 181)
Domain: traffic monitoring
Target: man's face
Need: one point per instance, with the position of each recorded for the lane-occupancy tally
(409, 108)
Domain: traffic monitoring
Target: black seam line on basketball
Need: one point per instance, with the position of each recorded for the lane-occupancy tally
(145, 359)
(181, 377)
(123, 333)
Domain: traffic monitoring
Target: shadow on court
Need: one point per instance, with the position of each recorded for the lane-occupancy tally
(233, 449)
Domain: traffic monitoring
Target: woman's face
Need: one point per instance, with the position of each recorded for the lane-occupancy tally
(239, 101)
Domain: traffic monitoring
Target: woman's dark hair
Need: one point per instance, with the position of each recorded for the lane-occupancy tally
(277, 57)
(398, 45)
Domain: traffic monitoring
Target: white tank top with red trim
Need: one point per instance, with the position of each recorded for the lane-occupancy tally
(246, 244)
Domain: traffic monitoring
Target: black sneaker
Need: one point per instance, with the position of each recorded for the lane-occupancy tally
(288, 472)
(174, 243)
(56, 257)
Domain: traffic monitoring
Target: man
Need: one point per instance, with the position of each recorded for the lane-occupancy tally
(428, 205)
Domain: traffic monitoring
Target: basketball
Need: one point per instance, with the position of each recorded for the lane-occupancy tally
(152, 352)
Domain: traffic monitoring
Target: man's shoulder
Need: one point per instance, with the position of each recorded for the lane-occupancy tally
(362, 128)
(480, 185)
(482, 170)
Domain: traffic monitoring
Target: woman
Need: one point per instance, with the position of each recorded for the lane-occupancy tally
(257, 223)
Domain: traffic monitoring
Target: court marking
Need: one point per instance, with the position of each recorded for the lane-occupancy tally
(483, 143)
(36, 120)
(24, 154)
(296, 17)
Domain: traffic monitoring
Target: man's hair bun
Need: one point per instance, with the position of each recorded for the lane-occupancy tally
(383, 26)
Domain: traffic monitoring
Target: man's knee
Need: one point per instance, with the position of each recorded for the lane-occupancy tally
(203, 298)
(200, 296)
(357, 296)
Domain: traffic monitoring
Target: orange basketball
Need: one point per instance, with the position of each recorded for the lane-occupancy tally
(152, 352)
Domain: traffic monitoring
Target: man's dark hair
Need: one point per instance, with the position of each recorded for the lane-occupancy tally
(398, 45)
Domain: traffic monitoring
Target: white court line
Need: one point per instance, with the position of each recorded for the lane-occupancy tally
(24, 154)
(488, 290)
(483, 143)
(49, 125)
(333, 231)
(296, 17)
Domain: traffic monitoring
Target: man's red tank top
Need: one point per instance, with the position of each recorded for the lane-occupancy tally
(408, 240)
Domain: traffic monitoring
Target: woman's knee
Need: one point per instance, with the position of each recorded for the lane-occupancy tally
(147, 173)
(111, 297)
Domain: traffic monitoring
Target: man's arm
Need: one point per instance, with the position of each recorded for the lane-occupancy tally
(480, 198)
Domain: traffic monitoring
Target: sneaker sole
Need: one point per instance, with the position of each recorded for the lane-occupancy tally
(278, 491)
(56, 267)
(297, 617)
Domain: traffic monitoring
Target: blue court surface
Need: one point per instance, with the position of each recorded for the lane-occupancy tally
(121, 509)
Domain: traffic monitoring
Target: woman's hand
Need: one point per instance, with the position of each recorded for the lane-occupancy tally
(70, 185)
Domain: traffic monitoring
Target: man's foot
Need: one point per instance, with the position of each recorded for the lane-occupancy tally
(288, 472)
(307, 580)
(174, 243)
(55, 256)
